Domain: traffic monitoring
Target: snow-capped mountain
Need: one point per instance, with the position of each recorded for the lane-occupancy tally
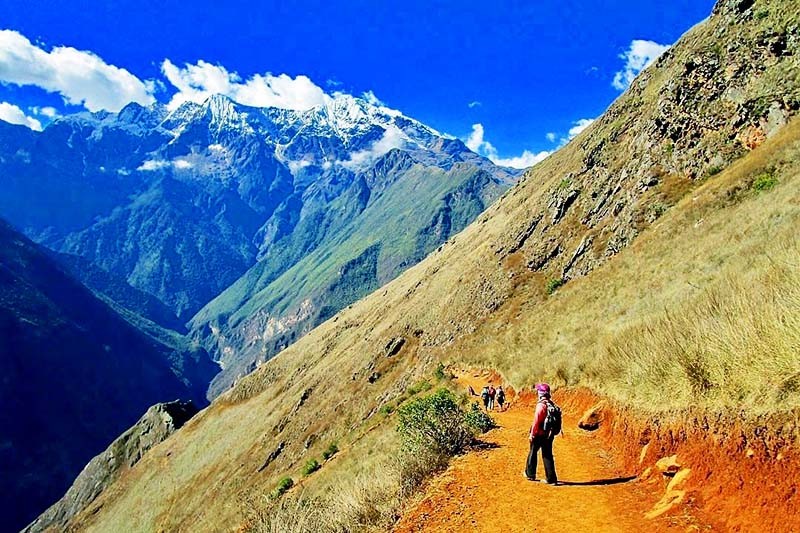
(182, 203)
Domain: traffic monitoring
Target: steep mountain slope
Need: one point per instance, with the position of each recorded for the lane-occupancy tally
(181, 203)
(681, 195)
(74, 374)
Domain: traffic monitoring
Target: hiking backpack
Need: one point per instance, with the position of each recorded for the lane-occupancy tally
(552, 421)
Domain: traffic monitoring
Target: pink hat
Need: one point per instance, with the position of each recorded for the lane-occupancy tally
(543, 389)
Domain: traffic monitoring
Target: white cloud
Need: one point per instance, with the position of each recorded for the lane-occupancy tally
(14, 115)
(477, 144)
(474, 104)
(153, 164)
(578, 126)
(79, 76)
(392, 138)
(551, 136)
(195, 83)
(48, 112)
(370, 97)
(638, 57)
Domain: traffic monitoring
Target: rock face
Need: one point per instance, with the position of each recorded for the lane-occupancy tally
(158, 423)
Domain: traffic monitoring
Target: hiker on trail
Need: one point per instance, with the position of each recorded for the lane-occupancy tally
(492, 392)
(485, 396)
(546, 425)
(500, 396)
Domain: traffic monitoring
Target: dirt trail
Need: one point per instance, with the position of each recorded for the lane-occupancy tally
(485, 491)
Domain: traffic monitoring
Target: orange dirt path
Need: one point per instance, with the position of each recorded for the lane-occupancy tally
(485, 491)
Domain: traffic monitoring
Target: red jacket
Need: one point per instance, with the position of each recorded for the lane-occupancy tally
(537, 428)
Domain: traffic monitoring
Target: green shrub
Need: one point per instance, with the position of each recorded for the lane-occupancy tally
(439, 374)
(713, 170)
(283, 485)
(553, 285)
(433, 429)
(421, 386)
(436, 422)
(478, 419)
(765, 182)
(310, 467)
(386, 409)
(330, 451)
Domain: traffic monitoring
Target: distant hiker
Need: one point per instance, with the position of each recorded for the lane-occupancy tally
(500, 396)
(485, 396)
(546, 425)
(492, 393)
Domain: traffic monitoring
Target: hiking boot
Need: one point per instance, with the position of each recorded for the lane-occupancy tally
(528, 478)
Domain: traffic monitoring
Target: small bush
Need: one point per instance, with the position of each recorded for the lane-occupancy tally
(765, 182)
(713, 170)
(386, 409)
(439, 374)
(433, 429)
(330, 451)
(437, 422)
(310, 467)
(553, 285)
(283, 485)
(478, 419)
(421, 386)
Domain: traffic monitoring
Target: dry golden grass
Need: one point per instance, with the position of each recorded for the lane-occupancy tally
(701, 310)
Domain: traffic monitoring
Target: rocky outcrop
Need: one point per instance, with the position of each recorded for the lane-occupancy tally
(158, 423)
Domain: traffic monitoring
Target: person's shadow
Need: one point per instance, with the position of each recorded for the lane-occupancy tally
(610, 481)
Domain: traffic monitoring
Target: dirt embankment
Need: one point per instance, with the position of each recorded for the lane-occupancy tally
(732, 473)
(629, 473)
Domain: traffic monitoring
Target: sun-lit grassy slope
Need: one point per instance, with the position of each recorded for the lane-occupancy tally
(653, 219)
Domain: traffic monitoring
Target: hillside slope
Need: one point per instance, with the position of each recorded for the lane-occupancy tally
(682, 194)
(74, 374)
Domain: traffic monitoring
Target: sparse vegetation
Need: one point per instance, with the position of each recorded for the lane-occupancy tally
(311, 466)
(283, 485)
(553, 285)
(421, 386)
(330, 451)
(440, 372)
(765, 181)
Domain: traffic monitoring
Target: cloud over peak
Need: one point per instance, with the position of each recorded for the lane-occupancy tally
(196, 82)
(79, 76)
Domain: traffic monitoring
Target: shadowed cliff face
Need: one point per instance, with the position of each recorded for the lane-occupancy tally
(158, 423)
(74, 375)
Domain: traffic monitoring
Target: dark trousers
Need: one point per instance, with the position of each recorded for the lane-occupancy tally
(546, 445)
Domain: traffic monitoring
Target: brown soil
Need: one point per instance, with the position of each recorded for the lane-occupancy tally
(485, 490)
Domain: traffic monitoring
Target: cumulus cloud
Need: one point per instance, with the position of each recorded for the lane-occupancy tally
(79, 76)
(195, 83)
(14, 115)
(578, 126)
(640, 55)
(476, 142)
(154, 164)
(48, 112)
(392, 138)
(551, 136)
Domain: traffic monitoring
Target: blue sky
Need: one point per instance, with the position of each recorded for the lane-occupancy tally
(526, 72)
